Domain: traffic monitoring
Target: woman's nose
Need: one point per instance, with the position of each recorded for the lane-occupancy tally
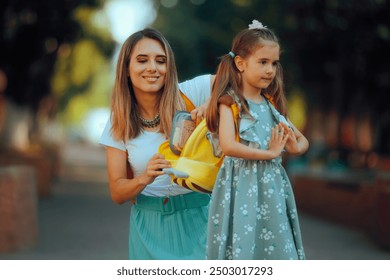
(152, 67)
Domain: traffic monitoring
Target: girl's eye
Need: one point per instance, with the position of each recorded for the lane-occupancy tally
(161, 61)
(141, 60)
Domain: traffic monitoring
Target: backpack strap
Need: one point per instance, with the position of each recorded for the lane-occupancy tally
(189, 105)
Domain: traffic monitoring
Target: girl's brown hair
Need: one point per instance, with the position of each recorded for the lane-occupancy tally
(228, 77)
(125, 124)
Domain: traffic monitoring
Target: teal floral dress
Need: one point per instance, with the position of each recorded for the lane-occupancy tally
(252, 212)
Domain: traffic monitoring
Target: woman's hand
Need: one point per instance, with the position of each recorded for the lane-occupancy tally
(154, 168)
(200, 112)
(278, 140)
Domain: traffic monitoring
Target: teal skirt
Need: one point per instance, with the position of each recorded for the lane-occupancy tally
(176, 229)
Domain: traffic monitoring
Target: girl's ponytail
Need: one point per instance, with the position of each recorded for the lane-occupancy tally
(226, 77)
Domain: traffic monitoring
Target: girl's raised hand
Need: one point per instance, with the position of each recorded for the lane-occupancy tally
(278, 140)
(292, 142)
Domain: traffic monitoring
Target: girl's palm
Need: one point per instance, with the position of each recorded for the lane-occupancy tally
(278, 140)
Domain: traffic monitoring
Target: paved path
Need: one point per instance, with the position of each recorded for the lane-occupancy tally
(79, 221)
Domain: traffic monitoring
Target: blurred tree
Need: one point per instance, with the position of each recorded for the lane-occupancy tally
(39, 39)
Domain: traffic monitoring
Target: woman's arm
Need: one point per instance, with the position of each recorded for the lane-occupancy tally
(297, 143)
(124, 188)
(230, 147)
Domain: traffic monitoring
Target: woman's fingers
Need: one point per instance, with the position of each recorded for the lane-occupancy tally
(197, 114)
(156, 164)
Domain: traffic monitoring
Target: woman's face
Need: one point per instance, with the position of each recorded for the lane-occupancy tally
(148, 66)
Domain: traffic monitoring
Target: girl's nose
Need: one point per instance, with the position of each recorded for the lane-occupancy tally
(270, 69)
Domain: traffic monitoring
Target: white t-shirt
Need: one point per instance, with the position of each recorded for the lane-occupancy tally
(143, 147)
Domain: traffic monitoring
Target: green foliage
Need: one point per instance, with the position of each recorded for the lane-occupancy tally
(67, 42)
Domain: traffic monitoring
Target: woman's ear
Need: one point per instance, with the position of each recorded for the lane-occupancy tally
(240, 63)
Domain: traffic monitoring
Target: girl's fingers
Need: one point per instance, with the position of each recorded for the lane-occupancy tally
(286, 136)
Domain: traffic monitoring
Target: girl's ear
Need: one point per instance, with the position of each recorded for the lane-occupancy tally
(240, 63)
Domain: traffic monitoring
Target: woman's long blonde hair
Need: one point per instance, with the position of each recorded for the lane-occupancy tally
(125, 124)
(228, 77)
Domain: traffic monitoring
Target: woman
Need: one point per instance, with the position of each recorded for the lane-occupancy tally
(166, 221)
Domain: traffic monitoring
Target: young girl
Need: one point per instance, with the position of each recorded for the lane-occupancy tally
(253, 213)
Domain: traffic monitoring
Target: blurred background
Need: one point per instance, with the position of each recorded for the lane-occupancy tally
(57, 68)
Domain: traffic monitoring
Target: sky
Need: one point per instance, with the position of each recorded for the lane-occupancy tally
(128, 16)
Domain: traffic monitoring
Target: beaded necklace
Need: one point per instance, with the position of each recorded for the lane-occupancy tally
(150, 123)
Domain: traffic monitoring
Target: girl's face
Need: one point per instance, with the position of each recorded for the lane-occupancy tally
(148, 66)
(259, 69)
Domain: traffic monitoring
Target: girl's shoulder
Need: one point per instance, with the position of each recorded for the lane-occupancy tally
(226, 100)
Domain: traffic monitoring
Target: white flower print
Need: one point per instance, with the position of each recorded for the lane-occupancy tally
(267, 177)
(228, 253)
(283, 227)
(220, 238)
(237, 252)
(254, 169)
(262, 212)
(215, 220)
(268, 128)
(244, 210)
(227, 196)
(254, 188)
(269, 192)
(266, 234)
(248, 228)
(293, 213)
(279, 208)
(236, 238)
(282, 193)
(288, 247)
(270, 249)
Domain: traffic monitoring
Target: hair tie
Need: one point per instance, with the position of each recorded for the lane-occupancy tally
(232, 54)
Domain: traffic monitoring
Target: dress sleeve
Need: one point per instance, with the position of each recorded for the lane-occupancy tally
(106, 138)
(197, 89)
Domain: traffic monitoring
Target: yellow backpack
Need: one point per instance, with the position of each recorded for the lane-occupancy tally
(197, 165)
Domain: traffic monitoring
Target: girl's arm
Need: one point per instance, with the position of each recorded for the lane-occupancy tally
(297, 143)
(230, 147)
(125, 189)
